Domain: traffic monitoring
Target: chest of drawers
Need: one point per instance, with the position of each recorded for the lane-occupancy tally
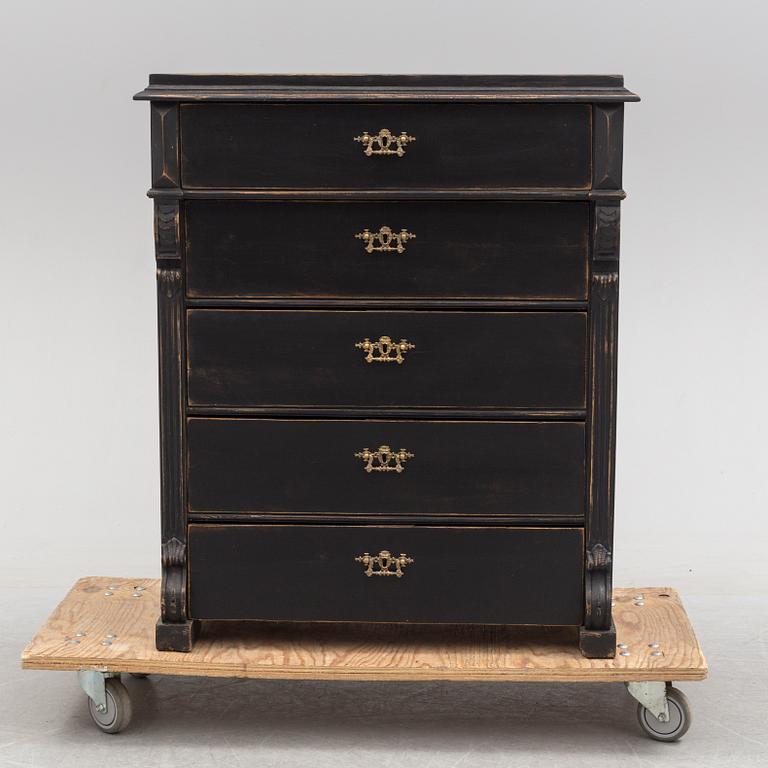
(387, 334)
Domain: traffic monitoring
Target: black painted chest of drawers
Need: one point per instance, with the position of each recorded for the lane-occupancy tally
(387, 333)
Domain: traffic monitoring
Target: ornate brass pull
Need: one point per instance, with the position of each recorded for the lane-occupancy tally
(384, 459)
(385, 350)
(384, 143)
(385, 240)
(385, 561)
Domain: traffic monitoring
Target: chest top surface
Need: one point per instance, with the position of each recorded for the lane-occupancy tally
(341, 87)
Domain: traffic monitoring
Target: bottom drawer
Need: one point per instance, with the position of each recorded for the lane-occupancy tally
(445, 574)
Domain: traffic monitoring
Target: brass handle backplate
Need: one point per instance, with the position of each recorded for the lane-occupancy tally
(385, 240)
(385, 350)
(384, 142)
(384, 459)
(383, 563)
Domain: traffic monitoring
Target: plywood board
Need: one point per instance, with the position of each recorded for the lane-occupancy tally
(114, 632)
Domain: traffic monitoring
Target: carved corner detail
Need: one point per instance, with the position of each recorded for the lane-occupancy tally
(173, 586)
(598, 589)
(598, 557)
(605, 284)
(173, 553)
(167, 231)
(169, 281)
(606, 236)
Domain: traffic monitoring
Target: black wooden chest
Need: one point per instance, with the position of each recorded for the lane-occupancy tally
(387, 332)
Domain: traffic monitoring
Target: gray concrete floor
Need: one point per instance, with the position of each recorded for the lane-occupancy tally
(207, 722)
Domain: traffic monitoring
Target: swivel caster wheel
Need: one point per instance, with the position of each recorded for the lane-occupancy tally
(679, 718)
(116, 716)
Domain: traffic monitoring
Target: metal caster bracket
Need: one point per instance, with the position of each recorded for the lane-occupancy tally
(94, 683)
(653, 696)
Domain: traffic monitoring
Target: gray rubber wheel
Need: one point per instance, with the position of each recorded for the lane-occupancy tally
(118, 713)
(679, 718)
(140, 675)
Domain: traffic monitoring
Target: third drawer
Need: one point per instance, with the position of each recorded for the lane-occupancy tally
(396, 359)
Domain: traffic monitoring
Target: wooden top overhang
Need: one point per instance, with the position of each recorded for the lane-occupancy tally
(513, 88)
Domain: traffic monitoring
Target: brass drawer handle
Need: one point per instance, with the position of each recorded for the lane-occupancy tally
(384, 143)
(384, 459)
(385, 240)
(385, 350)
(384, 562)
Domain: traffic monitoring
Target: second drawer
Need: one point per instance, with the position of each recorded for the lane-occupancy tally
(418, 249)
(262, 358)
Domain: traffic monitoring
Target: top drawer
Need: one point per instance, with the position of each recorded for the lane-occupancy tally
(345, 146)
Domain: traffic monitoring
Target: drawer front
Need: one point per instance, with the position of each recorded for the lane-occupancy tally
(291, 466)
(455, 575)
(313, 146)
(259, 358)
(488, 249)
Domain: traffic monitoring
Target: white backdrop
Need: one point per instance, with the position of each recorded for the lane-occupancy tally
(79, 453)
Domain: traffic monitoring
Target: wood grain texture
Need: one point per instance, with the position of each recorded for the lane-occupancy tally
(357, 651)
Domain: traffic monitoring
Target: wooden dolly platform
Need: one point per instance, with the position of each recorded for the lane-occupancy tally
(105, 626)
